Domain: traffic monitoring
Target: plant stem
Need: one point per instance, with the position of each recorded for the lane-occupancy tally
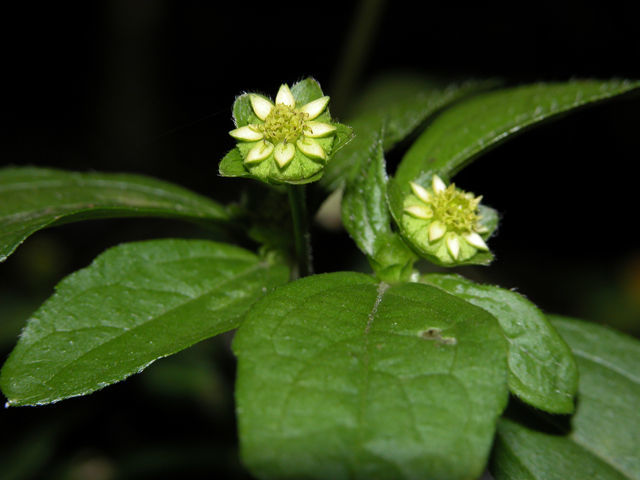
(302, 239)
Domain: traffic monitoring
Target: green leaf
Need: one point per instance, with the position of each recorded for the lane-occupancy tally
(475, 125)
(341, 377)
(365, 216)
(603, 438)
(232, 165)
(134, 304)
(542, 370)
(34, 198)
(403, 106)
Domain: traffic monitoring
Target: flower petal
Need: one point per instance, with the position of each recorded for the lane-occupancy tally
(419, 211)
(261, 106)
(285, 96)
(476, 241)
(436, 231)
(258, 153)
(453, 245)
(318, 129)
(311, 148)
(284, 153)
(248, 133)
(315, 108)
(438, 185)
(420, 192)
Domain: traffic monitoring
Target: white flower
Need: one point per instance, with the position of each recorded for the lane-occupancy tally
(284, 129)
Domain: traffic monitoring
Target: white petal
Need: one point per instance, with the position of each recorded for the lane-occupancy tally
(285, 96)
(419, 211)
(247, 134)
(453, 245)
(318, 129)
(436, 231)
(311, 148)
(258, 153)
(438, 184)
(476, 240)
(284, 153)
(315, 108)
(420, 192)
(261, 106)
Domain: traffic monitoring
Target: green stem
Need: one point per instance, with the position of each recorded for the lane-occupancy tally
(302, 239)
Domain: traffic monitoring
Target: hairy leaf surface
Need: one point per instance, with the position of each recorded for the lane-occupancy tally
(602, 439)
(481, 122)
(341, 377)
(542, 370)
(366, 217)
(134, 304)
(34, 198)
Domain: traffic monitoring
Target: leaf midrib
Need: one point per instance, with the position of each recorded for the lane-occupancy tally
(44, 382)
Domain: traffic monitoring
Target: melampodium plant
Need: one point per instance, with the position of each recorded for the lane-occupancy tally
(394, 374)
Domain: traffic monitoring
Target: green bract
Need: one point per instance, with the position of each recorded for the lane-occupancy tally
(444, 222)
(286, 141)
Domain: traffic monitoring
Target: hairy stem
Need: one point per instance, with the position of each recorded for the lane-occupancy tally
(302, 238)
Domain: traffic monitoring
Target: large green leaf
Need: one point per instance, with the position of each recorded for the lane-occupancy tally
(366, 217)
(481, 122)
(542, 370)
(603, 438)
(34, 198)
(397, 106)
(134, 304)
(341, 377)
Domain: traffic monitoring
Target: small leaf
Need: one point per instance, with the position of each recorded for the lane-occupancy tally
(232, 165)
(365, 216)
(477, 124)
(306, 91)
(340, 377)
(398, 106)
(542, 370)
(34, 198)
(604, 435)
(134, 304)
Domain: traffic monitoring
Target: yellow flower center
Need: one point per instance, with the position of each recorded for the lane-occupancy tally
(456, 209)
(283, 124)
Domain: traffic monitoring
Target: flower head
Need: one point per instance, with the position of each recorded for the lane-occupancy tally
(443, 221)
(286, 142)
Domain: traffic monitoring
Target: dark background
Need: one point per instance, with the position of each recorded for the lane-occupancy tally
(147, 87)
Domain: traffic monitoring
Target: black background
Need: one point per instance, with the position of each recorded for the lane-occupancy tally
(147, 87)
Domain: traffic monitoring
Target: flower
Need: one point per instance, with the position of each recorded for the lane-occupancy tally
(443, 221)
(286, 142)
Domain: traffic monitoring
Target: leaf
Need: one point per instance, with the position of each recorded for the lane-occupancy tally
(477, 124)
(232, 165)
(34, 198)
(403, 106)
(604, 436)
(340, 377)
(365, 216)
(134, 304)
(542, 370)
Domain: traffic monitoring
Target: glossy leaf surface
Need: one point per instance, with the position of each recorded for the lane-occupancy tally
(34, 198)
(479, 123)
(366, 217)
(134, 304)
(542, 370)
(342, 377)
(397, 106)
(601, 440)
